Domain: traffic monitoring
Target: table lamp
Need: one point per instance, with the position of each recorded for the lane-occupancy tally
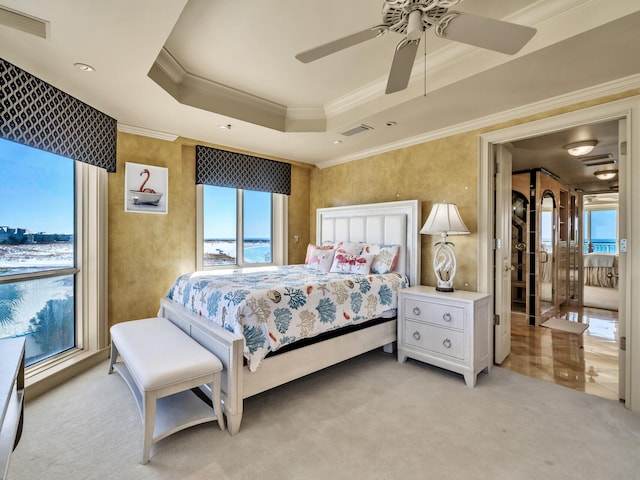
(444, 220)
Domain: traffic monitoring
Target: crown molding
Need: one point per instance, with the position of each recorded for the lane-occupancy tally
(145, 132)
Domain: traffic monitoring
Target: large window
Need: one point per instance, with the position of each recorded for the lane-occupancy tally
(38, 267)
(240, 227)
(600, 230)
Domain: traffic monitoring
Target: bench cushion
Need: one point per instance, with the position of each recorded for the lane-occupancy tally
(158, 354)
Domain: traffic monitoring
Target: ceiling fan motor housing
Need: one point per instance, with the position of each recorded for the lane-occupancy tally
(396, 13)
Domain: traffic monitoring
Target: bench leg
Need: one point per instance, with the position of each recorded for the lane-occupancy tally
(114, 356)
(148, 420)
(216, 399)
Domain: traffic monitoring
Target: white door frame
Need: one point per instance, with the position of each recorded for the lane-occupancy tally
(629, 308)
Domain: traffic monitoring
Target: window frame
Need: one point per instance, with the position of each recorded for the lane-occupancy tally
(586, 219)
(279, 210)
(90, 284)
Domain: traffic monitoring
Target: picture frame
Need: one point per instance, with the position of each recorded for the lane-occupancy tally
(146, 188)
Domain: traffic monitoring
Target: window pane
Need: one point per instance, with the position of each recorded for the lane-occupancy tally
(37, 234)
(219, 229)
(37, 210)
(43, 310)
(257, 227)
(603, 231)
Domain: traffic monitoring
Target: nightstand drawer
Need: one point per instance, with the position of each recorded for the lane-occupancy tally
(435, 339)
(436, 313)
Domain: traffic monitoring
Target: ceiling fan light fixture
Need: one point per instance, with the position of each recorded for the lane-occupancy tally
(578, 149)
(606, 174)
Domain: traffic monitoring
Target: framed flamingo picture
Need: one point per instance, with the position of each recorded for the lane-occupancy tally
(146, 188)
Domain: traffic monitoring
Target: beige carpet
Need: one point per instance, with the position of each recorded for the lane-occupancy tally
(565, 325)
(368, 418)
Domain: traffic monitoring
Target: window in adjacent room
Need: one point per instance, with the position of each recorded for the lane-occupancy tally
(600, 228)
(38, 261)
(240, 227)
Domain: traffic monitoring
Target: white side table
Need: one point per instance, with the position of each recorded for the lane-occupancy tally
(450, 330)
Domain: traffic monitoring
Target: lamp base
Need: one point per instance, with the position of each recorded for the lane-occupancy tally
(444, 289)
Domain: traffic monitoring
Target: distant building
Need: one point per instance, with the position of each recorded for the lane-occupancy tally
(24, 235)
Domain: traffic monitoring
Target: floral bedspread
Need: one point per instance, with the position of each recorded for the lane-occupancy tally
(275, 306)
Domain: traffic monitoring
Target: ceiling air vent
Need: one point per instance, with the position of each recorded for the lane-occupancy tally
(23, 22)
(355, 130)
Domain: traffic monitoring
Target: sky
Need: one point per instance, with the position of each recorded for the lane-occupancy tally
(603, 224)
(220, 213)
(36, 189)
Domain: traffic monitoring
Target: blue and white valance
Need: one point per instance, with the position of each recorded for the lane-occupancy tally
(39, 115)
(237, 170)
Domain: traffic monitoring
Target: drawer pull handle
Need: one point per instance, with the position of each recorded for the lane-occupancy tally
(416, 335)
(416, 311)
(446, 343)
(447, 317)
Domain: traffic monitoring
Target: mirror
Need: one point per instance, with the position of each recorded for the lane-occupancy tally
(546, 252)
(519, 237)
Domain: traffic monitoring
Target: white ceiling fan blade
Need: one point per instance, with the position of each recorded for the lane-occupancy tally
(487, 33)
(402, 65)
(340, 44)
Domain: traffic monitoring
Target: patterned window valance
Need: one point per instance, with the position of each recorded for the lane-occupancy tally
(237, 170)
(39, 115)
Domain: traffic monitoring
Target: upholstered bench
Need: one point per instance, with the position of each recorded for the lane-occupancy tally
(161, 364)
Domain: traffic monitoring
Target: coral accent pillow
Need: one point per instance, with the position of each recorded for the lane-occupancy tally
(320, 259)
(386, 257)
(311, 246)
(357, 264)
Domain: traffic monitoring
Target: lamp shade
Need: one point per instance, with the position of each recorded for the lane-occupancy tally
(444, 219)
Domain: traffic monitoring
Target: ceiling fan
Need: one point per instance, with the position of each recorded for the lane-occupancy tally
(413, 17)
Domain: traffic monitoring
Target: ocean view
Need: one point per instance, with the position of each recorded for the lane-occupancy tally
(223, 252)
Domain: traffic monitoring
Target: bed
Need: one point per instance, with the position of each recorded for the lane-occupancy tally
(601, 270)
(392, 223)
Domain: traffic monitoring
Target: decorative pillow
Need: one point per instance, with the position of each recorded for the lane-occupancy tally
(349, 248)
(311, 246)
(358, 264)
(386, 257)
(320, 259)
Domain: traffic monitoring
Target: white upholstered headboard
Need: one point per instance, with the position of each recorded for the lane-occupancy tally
(382, 223)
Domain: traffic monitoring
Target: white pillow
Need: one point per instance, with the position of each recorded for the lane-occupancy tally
(386, 257)
(310, 248)
(320, 259)
(355, 264)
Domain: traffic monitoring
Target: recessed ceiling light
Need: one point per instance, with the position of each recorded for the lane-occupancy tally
(391, 123)
(84, 67)
(225, 127)
(337, 142)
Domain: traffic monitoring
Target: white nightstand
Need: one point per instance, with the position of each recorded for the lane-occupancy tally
(450, 330)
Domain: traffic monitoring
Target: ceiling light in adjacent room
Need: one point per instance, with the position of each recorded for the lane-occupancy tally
(577, 149)
(606, 174)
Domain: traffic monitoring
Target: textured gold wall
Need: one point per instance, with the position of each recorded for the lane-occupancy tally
(432, 172)
(147, 252)
(299, 217)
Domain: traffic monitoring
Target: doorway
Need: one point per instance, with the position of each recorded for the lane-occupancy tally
(553, 336)
(615, 110)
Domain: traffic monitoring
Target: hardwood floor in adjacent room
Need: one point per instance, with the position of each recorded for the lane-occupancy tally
(586, 362)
